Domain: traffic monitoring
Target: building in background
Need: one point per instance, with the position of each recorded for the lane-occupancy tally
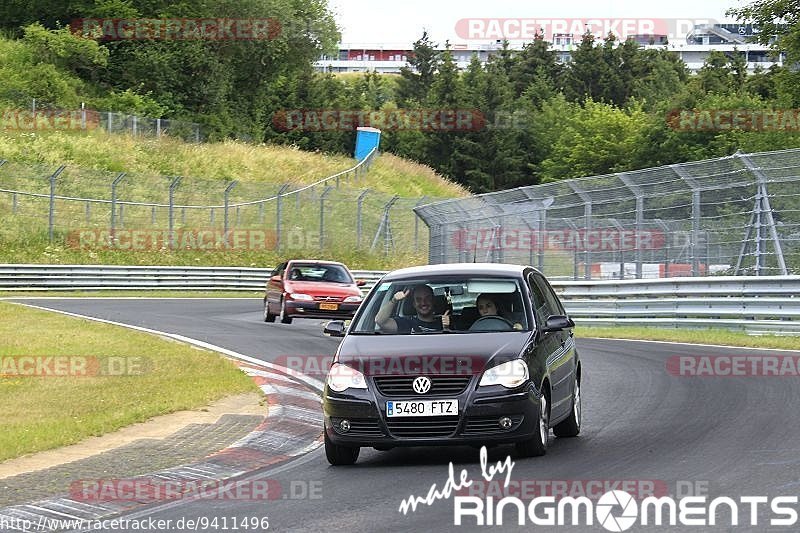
(388, 58)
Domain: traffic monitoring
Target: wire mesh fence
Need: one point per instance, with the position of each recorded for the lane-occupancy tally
(736, 215)
(30, 114)
(90, 209)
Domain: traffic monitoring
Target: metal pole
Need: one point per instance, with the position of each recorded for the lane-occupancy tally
(322, 216)
(696, 190)
(158, 128)
(387, 235)
(88, 211)
(767, 208)
(416, 224)
(153, 216)
(359, 221)
(114, 184)
(172, 186)
(278, 214)
(226, 195)
(542, 236)
(52, 212)
(14, 203)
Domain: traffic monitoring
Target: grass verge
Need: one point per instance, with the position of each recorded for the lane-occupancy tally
(46, 412)
(693, 336)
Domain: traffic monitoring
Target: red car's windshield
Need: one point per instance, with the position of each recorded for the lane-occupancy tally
(316, 272)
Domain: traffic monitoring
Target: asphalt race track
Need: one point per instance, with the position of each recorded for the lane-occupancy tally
(642, 426)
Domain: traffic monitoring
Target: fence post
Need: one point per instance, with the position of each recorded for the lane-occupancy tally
(587, 225)
(359, 221)
(416, 224)
(696, 190)
(639, 193)
(14, 203)
(52, 211)
(226, 195)
(88, 211)
(153, 216)
(762, 199)
(322, 216)
(384, 227)
(172, 186)
(279, 213)
(114, 184)
(158, 128)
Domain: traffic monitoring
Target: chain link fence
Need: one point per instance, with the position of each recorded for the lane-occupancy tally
(36, 115)
(736, 215)
(87, 209)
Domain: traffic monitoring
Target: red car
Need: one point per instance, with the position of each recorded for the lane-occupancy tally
(311, 289)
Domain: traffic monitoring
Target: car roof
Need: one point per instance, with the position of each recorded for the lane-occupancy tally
(315, 262)
(490, 269)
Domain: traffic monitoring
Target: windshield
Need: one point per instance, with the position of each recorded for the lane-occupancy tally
(316, 272)
(443, 305)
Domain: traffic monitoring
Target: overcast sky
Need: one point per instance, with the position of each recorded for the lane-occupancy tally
(402, 21)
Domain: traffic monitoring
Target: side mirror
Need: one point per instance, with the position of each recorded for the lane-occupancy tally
(334, 328)
(557, 323)
(361, 282)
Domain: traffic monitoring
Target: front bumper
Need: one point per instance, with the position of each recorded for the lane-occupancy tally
(477, 421)
(299, 309)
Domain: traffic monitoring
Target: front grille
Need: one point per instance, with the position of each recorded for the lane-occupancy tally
(434, 426)
(440, 385)
(325, 299)
(359, 427)
(488, 425)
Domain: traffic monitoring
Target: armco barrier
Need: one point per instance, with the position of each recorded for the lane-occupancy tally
(754, 304)
(34, 278)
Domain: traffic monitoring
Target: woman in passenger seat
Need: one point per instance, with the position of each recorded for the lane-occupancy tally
(487, 305)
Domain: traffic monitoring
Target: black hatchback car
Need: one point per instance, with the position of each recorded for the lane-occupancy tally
(453, 354)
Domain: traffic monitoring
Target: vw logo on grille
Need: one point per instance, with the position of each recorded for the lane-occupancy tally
(422, 385)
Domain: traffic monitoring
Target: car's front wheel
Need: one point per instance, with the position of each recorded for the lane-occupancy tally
(572, 425)
(537, 445)
(268, 316)
(285, 319)
(340, 455)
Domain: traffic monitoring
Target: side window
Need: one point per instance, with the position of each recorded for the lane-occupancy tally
(540, 306)
(279, 270)
(552, 300)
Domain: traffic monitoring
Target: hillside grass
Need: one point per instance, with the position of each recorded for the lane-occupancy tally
(94, 158)
(44, 412)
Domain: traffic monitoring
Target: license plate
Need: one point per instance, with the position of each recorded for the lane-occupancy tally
(329, 307)
(422, 408)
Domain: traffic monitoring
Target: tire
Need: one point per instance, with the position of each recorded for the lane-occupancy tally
(268, 316)
(340, 455)
(537, 445)
(284, 318)
(572, 425)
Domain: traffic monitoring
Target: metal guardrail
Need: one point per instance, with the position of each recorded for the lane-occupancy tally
(35, 278)
(754, 304)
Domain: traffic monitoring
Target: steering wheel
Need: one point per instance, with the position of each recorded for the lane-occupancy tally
(492, 323)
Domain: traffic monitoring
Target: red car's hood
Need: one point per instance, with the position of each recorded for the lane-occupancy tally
(322, 288)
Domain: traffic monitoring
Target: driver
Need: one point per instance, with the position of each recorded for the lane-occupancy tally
(487, 306)
(423, 321)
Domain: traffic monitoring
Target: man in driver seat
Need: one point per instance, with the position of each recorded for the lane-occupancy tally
(425, 320)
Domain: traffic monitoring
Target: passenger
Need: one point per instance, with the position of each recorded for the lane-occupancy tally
(487, 306)
(424, 320)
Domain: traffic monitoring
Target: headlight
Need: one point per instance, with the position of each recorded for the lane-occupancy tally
(303, 297)
(343, 377)
(353, 299)
(511, 374)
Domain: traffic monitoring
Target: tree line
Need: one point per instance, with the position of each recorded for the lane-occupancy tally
(613, 107)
